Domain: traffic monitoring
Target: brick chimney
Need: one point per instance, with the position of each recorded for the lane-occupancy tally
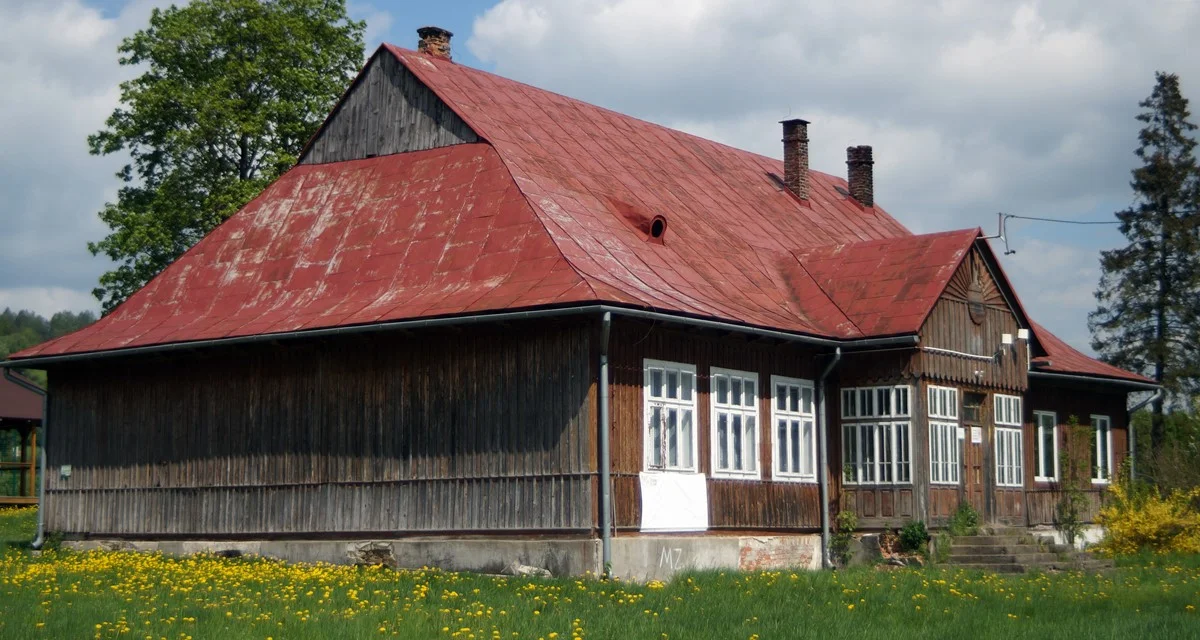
(861, 174)
(795, 157)
(435, 41)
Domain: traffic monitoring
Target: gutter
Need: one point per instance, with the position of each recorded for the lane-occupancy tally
(606, 514)
(41, 519)
(422, 323)
(1132, 433)
(1068, 377)
(822, 457)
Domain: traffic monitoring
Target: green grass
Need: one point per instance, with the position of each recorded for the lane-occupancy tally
(119, 594)
(17, 526)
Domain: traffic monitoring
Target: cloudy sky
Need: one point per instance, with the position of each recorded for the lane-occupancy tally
(973, 107)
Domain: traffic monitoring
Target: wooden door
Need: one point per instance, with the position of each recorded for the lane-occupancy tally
(974, 473)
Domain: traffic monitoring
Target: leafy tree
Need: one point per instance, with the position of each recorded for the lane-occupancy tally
(1147, 319)
(230, 93)
(24, 329)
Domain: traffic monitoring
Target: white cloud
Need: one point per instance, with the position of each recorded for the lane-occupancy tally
(973, 107)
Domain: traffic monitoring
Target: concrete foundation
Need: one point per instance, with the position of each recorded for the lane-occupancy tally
(1090, 535)
(639, 558)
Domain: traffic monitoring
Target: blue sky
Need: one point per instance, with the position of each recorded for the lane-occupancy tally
(973, 107)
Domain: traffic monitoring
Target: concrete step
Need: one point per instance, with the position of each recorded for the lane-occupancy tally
(1008, 558)
(992, 568)
(995, 549)
(993, 540)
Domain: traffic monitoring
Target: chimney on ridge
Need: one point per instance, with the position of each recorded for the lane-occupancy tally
(795, 157)
(861, 175)
(435, 41)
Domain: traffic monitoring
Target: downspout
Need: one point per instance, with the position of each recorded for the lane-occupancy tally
(605, 458)
(1133, 432)
(41, 519)
(822, 457)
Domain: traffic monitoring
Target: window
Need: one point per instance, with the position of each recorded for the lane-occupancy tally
(943, 403)
(1102, 460)
(670, 412)
(945, 449)
(794, 443)
(1008, 410)
(875, 435)
(1045, 446)
(1009, 457)
(735, 423)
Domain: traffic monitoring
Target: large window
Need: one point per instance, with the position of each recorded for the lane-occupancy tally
(945, 450)
(1102, 460)
(1009, 467)
(670, 416)
(794, 443)
(1045, 446)
(1009, 456)
(735, 423)
(876, 448)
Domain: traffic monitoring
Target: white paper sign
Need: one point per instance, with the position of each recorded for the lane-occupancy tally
(674, 502)
(976, 435)
(962, 433)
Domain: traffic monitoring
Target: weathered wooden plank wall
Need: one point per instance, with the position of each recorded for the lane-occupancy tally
(733, 504)
(387, 111)
(481, 430)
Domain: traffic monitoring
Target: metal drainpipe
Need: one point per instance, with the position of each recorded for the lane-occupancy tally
(41, 520)
(1133, 432)
(605, 458)
(822, 457)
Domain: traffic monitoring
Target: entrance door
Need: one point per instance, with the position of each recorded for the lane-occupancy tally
(974, 467)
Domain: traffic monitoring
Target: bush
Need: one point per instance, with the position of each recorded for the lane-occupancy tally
(839, 544)
(1139, 519)
(965, 521)
(913, 536)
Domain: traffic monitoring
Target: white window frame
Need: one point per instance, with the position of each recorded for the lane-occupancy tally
(1039, 429)
(804, 417)
(752, 456)
(1106, 439)
(945, 453)
(679, 404)
(864, 414)
(942, 403)
(1007, 410)
(1010, 457)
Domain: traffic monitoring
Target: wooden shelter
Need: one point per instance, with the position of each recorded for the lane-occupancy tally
(482, 321)
(21, 413)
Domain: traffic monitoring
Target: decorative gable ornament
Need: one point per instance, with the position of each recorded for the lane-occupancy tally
(975, 303)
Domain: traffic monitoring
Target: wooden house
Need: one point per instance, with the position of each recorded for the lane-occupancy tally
(21, 414)
(481, 322)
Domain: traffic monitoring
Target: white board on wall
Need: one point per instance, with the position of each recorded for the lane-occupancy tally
(674, 502)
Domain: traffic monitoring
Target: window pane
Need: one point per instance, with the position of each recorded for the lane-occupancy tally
(672, 383)
(886, 457)
(749, 393)
(866, 405)
(1047, 457)
(736, 432)
(656, 383)
(850, 453)
(751, 446)
(794, 398)
(867, 461)
(781, 446)
(780, 397)
(735, 391)
(883, 401)
(796, 447)
(688, 443)
(935, 456)
(722, 389)
(804, 449)
(656, 436)
(902, 401)
(672, 437)
(722, 441)
(806, 404)
(688, 383)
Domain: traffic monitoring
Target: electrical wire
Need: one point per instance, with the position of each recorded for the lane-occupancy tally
(1012, 215)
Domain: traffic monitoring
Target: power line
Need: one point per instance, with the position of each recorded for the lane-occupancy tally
(1012, 215)
(1002, 226)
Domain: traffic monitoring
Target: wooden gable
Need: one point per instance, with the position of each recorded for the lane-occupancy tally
(963, 333)
(387, 110)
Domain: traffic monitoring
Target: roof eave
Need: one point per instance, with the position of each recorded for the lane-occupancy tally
(1080, 377)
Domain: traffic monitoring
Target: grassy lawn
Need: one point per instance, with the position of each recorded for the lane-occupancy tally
(17, 526)
(118, 594)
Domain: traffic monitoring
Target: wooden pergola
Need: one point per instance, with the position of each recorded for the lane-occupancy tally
(20, 411)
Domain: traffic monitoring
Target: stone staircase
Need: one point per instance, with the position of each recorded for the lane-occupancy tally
(1003, 550)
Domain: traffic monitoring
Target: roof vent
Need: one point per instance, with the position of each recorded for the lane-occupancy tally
(434, 41)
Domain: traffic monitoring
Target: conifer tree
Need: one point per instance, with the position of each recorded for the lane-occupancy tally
(1148, 316)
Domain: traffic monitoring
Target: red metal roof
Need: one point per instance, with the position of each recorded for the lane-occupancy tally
(551, 209)
(1064, 358)
(888, 286)
(17, 402)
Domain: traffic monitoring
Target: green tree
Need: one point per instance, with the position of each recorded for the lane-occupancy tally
(24, 329)
(230, 93)
(1147, 318)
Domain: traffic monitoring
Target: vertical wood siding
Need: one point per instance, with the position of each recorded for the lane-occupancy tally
(483, 430)
(387, 111)
(733, 504)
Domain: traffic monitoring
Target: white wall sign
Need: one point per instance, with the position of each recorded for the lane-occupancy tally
(674, 502)
(976, 435)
